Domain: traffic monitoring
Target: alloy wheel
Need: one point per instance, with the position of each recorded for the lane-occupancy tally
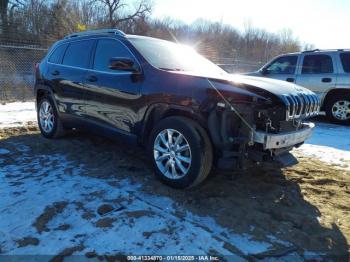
(341, 110)
(172, 154)
(46, 117)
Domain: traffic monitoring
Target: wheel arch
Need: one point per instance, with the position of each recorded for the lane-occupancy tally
(42, 90)
(332, 92)
(157, 112)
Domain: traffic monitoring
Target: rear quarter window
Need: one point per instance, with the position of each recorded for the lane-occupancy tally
(78, 53)
(57, 55)
(345, 60)
(317, 64)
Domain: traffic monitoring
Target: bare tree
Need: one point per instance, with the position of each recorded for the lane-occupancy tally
(44, 21)
(118, 11)
(3, 15)
(7, 8)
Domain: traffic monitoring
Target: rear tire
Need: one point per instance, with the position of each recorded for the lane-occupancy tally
(50, 124)
(338, 109)
(167, 155)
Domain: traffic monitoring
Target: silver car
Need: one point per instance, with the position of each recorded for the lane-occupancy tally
(325, 72)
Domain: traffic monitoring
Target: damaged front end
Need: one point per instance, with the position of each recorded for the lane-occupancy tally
(248, 127)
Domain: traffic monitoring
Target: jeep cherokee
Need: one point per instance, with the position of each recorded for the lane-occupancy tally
(187, 112)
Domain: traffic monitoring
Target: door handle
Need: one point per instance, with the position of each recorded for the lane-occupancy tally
(290, 79)
(55, 73)
(92, 78)
(326, 80)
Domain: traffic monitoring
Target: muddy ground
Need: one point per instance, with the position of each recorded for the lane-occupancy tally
(307, 205)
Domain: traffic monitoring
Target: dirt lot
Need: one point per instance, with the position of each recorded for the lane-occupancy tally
(303, 210)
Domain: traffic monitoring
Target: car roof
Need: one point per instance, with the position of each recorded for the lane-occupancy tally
(96, 32)
(315, 51)
(106, 32)
(143, 37)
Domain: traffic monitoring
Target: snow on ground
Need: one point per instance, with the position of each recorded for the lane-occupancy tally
(330, 143)
(18, 113)
(330, 135)
(328, 154)
(57, 223)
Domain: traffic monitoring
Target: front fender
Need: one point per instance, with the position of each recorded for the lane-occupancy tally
(157, 111)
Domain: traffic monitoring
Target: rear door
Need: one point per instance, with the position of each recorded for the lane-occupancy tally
(343, 79)
(317, 72)
(68, 76)
(112, 96)
(282, 68)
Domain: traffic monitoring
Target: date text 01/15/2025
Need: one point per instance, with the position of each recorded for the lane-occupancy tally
(173, 258)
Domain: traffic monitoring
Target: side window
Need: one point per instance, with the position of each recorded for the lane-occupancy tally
(317, 64)
(107, 49)
(78, 53)
(57, 54)
(345, 60)
(283, 65)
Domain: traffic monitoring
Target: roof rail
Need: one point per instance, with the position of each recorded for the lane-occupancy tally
(320, 50)
(310, 51)
(99, 31)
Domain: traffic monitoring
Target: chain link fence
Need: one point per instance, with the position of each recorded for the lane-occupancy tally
(17, 62)
(237, 65)
(241, 67)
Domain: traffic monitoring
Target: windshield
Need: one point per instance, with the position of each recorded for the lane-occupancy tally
(170, 56)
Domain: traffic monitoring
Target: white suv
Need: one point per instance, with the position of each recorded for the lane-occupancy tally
(325, 72)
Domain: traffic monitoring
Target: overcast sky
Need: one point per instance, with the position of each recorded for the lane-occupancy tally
(324, 23)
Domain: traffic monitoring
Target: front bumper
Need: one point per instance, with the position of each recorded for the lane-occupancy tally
(288, 139)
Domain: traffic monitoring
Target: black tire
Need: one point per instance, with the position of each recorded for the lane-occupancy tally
(200, 147)
(330, 106)
(58, 129)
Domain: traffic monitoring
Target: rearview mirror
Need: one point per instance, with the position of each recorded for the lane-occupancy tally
(122, 64)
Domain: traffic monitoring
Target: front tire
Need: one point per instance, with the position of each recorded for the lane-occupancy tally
(338, 109)
(180, 151)
(50, 124)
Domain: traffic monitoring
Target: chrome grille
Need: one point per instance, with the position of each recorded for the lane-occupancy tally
(308, 105)
(301, 106)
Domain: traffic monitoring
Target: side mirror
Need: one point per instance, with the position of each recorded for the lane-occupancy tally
(264, 71)
(122, 64)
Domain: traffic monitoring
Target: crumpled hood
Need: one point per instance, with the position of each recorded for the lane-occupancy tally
(273, 86)
(277, 87)
(299, 100)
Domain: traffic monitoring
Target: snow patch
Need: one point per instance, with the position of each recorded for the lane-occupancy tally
(17, 114)
(330, 135)
(329, 143)
(327, 154)
(148, 224)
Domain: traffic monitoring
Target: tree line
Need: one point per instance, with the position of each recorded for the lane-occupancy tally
(44, 21)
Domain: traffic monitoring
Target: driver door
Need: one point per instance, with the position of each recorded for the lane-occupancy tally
(112, 96)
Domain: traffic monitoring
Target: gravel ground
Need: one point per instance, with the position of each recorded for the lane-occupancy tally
(100, 197)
